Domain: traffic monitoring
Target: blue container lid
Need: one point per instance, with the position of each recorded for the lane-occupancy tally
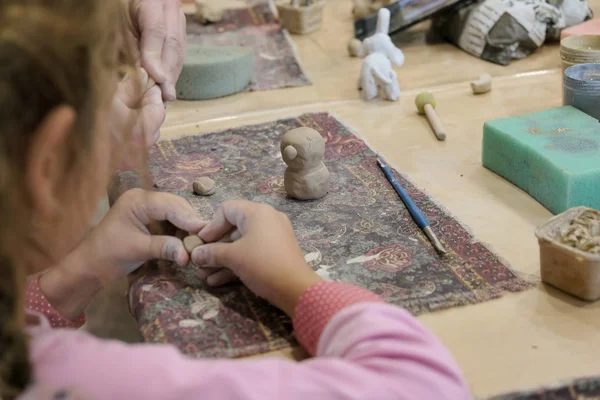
(584, 76)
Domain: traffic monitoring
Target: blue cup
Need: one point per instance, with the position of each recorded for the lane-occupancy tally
(581, 88)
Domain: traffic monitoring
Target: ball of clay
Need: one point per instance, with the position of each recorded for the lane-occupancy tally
(211, 72)
(355, 48)
(482, 85)
(204, 186)
(191, 242)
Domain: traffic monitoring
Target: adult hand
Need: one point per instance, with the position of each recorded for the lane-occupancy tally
(118, 246)
(264, 253)
(138, 103)
(158, 26)
(122, 242)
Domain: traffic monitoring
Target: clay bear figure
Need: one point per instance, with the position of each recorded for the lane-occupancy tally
(306, 177)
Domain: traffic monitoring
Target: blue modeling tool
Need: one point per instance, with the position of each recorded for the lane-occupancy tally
(412, 208)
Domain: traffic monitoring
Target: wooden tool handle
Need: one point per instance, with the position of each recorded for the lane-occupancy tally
(435, 122)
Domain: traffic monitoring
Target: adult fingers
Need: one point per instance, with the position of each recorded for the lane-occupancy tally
(151, 20)
(230, 215)
(173, 48)
(152, 115)
(221, 277)
(168, 248)
(156, 206)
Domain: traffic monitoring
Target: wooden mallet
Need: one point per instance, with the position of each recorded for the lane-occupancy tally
(426, 105)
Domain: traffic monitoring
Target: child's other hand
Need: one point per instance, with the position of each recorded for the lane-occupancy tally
(121, 242)
(264, 254)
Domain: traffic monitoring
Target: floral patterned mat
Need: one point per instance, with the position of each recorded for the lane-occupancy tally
(580, 389)
(275, 61)
(359, 233)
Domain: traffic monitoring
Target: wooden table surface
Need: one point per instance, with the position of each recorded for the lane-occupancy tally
(521, 340)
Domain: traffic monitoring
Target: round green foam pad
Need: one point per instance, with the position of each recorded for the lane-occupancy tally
(211, 72)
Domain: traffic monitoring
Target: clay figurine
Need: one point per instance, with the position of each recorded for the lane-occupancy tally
(380, 42)
(306, 177)
(377, 73)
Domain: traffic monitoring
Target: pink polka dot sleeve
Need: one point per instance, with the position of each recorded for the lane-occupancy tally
(36, 301)
(319, 303)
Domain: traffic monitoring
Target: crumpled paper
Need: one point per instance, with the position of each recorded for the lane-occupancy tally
(500, 31)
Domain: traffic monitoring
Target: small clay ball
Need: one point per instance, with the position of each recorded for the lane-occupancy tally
(191, 242)
(355, 48)
(204, 186)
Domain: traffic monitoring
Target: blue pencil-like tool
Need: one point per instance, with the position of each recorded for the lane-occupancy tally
(412, 208)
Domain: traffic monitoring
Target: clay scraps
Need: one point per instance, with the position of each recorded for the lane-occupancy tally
(584, 232)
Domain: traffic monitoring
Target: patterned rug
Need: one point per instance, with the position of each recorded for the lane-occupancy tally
(275, 61)
(359, 233)
(580, 389)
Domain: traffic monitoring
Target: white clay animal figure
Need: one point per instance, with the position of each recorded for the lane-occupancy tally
(377, 73)
(306, 177)
(381, 42)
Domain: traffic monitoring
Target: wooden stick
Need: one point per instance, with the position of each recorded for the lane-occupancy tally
(435, 122)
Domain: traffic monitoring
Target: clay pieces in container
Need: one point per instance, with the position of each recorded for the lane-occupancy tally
(211, 72)
(306, 177)
(204, 186)
(569, 258)
(301, 16)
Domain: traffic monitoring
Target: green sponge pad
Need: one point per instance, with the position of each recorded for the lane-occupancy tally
(211, 72)
(553, 155)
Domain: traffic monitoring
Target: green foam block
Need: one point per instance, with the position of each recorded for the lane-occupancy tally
(553, 155)
(211, 72)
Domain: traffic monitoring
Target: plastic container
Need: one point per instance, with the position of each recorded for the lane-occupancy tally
(581, 88)
(582, 49)
(303, 19)
(564, 267)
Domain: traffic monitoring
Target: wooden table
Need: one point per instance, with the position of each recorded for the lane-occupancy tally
(519, 341)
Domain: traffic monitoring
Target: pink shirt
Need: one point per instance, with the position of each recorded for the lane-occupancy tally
(364, 349)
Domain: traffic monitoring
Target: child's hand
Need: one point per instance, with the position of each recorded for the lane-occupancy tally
(121, 242)
(265, 256)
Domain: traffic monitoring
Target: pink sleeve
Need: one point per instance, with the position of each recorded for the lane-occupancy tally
(367, 350)
(36, 301)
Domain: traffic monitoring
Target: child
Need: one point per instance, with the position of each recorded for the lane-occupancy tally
(59, 67)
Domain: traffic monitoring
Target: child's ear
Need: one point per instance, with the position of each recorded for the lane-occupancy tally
(46, 161)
